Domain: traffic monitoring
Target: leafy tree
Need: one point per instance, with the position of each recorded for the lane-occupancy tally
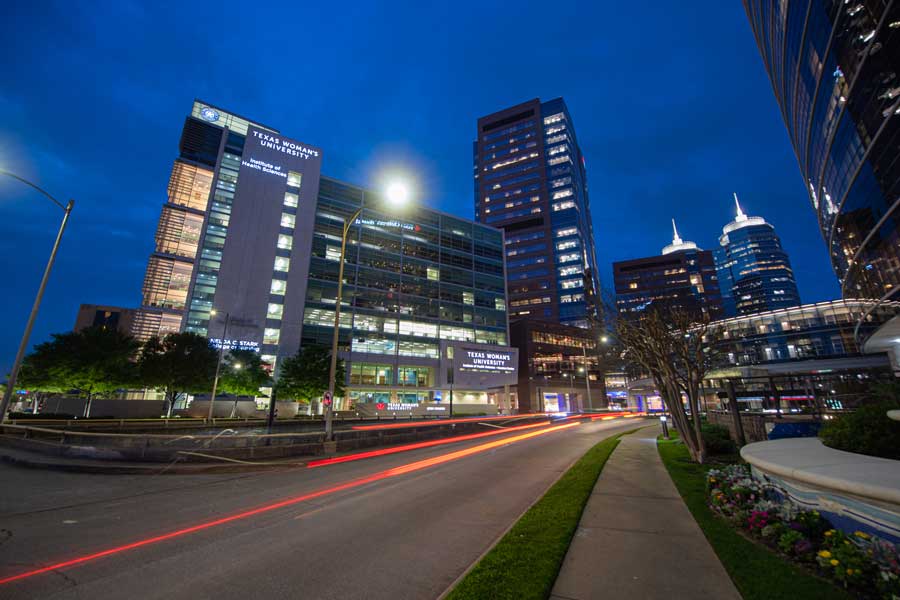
(304, 376)
(178, 363)
(243, 373)
(93, 361)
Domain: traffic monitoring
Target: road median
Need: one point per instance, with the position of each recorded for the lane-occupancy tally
(526, 560)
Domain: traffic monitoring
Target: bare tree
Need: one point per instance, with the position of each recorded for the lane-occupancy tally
(669, 343)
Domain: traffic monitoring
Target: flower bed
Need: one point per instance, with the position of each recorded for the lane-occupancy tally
(861, 563)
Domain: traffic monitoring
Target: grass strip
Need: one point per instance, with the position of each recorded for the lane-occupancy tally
(757, 572)
(525, 562)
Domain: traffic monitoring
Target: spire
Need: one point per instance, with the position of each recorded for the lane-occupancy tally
(678, 244)
(740, 214)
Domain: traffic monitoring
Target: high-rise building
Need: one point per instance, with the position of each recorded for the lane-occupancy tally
(530, 181)
(834, 69)
(754, 271)
(253, 232)
(683, 276)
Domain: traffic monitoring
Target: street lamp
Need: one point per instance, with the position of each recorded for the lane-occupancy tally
(23, 344)
(397, 192)
(212, 399)
(587, 377)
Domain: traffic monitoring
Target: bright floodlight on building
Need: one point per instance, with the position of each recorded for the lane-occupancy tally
(397, 192)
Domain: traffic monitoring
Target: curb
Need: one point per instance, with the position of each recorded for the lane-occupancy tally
(518, 518)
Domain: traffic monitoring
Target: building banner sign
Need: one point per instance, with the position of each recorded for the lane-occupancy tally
(482, 366)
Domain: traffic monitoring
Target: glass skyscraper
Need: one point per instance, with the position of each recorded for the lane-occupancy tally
(835, 70)
(754, 272)
(530, 181)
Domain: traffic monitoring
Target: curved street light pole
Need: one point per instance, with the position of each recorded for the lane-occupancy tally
(212, 398)
(23, 344)
(329, 409)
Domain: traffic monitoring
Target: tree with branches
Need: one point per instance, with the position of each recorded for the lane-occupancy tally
(304, 376)
(176, 364)
(669, 343)
(94, 361)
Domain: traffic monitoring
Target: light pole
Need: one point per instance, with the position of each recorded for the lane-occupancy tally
(329, 409)
(212, 399)
(23, 344)
(397, 194)
(587, 378)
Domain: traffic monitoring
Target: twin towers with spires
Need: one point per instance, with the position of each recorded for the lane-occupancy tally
(748, 273)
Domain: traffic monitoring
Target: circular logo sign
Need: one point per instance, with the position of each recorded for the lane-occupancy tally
(380, 406)
(209, 114)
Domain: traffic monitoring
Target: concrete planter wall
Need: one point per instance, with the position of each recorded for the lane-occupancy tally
(853, 491)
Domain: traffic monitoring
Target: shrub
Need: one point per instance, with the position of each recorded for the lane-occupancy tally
(788, 540)
(717, 439)
(868, 430)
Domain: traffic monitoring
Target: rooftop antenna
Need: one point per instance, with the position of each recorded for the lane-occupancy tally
(676, 239)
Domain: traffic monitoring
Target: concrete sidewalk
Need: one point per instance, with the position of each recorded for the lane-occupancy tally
(637, 539)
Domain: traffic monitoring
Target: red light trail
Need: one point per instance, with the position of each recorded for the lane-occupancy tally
(405, 448)
(354, 483)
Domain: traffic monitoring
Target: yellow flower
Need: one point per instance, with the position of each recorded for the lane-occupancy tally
(835, 562)
(829, 533)
(849, 571)
(825, 554)
(861, 534)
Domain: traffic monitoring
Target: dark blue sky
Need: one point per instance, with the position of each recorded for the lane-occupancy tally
(671, 103)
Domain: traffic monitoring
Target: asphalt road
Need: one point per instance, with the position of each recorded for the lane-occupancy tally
(409, 535)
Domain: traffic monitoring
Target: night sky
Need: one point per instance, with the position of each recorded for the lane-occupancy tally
(670, 100)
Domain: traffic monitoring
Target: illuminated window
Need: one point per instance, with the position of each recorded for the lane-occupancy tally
(571, 283)
(632, 285)
(282, 264)
(434, 274)
(563, 258)
(567, 245)
(271, 336)
(469, 298)
(288, 220)
(554, 118)
(499, 304)
(564, 205)
(565, 271)
(274, 311)
(294, 178)
(278, 287)
(285, 242)
(566, 231)
(333, 253)
(416, 329)
(268, 359)
(291, 199)
(562, 194)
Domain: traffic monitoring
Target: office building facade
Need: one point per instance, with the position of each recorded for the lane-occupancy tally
(754, 272)
(834, 70)
(253, 264)
(683, 276)
(530, 181)
(559, 368)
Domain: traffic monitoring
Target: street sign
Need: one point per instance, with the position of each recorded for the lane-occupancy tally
(326, 399)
